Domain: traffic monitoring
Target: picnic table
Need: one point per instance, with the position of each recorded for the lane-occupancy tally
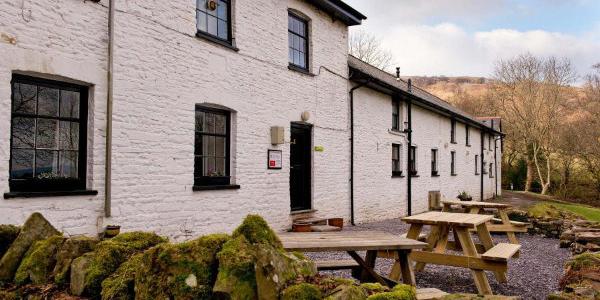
(503, 224)
(476, 257)
(352, 241)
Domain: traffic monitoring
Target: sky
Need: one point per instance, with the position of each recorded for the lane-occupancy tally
(467, 37)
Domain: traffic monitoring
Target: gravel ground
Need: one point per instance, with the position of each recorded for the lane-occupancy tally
(534, 275)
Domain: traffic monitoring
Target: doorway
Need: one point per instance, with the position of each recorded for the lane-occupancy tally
(301, 166)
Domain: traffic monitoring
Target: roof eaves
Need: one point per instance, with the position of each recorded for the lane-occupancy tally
(340, 10)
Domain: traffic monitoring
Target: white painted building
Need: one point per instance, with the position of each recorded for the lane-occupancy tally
(195, 95)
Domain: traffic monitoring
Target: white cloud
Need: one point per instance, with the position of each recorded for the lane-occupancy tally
(448, 49)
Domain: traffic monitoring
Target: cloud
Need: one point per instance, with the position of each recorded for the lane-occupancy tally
(448, 49)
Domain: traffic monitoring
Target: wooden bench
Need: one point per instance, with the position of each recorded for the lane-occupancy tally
(501, 252)
(422, 237)
(337, 264)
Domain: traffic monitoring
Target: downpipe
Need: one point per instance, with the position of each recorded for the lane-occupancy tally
(109, 112)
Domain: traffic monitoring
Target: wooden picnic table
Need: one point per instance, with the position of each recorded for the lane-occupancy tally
(352, 241)
(476, 257)
(504, 224)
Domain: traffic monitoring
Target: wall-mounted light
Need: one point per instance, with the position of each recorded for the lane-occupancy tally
(305, 116)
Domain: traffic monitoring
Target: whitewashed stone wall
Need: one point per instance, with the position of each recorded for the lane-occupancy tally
(161, 71)
(379, 195)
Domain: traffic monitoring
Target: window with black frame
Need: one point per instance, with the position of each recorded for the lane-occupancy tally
(491, 171)
(412, 161)
(395, 114)
(48, 136)
(212, 144)
(476, 164)
(298, 41)
(467, 135)
(434, 162)
(213, 19)
(396, 163)
(453, 163)
(453, 131)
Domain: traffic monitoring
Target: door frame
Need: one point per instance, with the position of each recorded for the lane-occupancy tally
(310, 128)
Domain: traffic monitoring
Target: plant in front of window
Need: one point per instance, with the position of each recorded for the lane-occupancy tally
(464, 196)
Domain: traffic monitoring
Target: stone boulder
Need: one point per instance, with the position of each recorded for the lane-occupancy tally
(108, 255)
(69, 250)
(347, 292)
(121, 284)
(302, 291)
(39, 262)
(173, 271)
(399, 292)
(35, 228)
(8, 233)
(478, 297)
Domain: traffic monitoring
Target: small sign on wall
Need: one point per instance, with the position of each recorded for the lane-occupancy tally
(275, 160)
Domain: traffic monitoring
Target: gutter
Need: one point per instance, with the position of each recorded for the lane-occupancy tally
(109, 111)
(352, 149)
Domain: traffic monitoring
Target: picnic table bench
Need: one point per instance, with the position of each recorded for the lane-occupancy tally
(352, 241)
(477, 258)
(502, 224)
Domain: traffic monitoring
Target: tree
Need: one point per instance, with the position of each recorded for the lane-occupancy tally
(588, 129)
(368, 48)
(531, 93)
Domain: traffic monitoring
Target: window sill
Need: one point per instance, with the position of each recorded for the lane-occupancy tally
(198, 188)
(303, 211)
(396, 132)
(435, 175)
(397, 175)
(415, 175)
(453, 174)
(11, 195)
(217, 41)
(453, 143)
(300, 70)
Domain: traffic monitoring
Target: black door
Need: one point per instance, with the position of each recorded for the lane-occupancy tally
(300, 166)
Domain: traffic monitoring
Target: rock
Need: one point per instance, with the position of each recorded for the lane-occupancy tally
(274, 268)
(480, 297)
(79, 268)
(236, 278)
(302, 291)
(38, 263)
(8, 233)
(588, 237)
(121, 284)
(518, 215)
(69, 250)
(109, 255)
(399, 292)
(347, 292)
(373, 288)
(583, 261)
(176, 271)
(35, 228)
(256, 230)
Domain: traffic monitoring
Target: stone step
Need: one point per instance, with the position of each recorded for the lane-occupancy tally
(430, 294)
(325, 228)
(312, 221)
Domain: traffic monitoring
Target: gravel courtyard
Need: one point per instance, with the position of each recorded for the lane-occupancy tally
(534, 275)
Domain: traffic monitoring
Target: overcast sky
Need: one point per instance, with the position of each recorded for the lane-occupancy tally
(466, 37)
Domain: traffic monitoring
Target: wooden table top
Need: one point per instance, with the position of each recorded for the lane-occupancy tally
(455, 219)
(346, 241)
(476, 204)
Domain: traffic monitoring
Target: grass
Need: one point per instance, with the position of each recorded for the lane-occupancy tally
(588, 212)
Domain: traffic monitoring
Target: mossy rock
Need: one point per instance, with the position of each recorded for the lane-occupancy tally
(109, 255)
(38, 263)
(478, 297)
(236, 278)
(179, 271)
(302, 291)
(35, 228)
(120, 285)
(374, 287)
(550, 212)
(256, 230)
(69, 250)
(584, 261)
(8, 233)
(347, 292)
(399, 292)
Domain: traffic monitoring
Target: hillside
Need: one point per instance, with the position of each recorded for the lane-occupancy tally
(447, 87)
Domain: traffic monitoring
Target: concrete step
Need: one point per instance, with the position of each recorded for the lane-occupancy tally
(325, 228)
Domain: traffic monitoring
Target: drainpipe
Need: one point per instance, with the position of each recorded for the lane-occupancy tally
(409, 135)
(352, 149)
(481, 164)
(496, 165)
(109, 111)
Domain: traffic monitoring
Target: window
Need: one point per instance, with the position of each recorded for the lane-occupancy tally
(476, 164)
(412, 161)
(483, 168)
(453, 163)
(483, 141)
(453, 131)
(396, 163)
(434, 162)
(214, 19)
(395, 114)
(467, 135)
(212, 157)
(490, 138)
(48, 136)
(491, 171)
(298, 41)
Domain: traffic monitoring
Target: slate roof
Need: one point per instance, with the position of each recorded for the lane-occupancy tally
(340, 10)
(361, 71)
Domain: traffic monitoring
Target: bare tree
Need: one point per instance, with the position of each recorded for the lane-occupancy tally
(588, 130)
(531, 94)
(368, 48)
